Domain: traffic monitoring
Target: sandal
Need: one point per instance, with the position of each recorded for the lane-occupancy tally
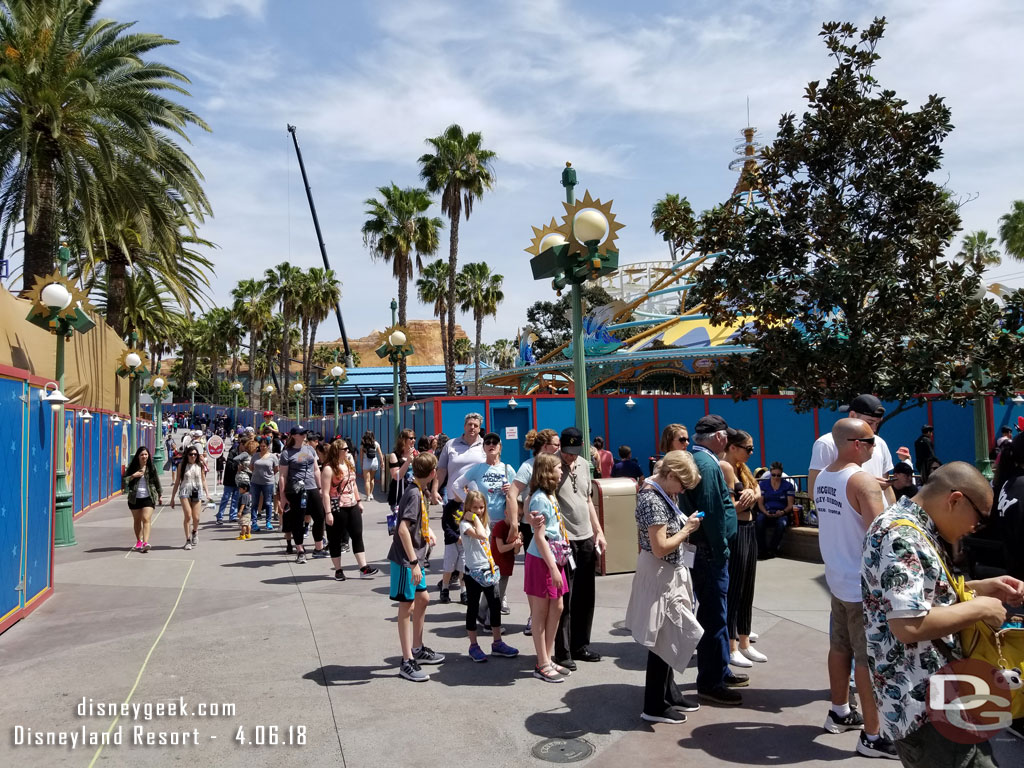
(548, 674)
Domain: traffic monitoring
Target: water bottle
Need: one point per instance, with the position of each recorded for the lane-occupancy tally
(302, 500)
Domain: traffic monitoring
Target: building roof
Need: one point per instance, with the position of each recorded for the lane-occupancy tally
(424, 381)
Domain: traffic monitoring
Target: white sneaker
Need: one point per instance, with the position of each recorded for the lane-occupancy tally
(737, 659)
(188, 544)
(754, 637)
(753, 654)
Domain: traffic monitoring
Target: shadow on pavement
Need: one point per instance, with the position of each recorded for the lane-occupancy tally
(333, 674)
(300, 579)
(251, 564)
(775, 744)
(590, 711)
(460, 670)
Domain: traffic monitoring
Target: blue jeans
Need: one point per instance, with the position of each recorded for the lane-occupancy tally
(711, 588)
(229, 499)
(263, 495)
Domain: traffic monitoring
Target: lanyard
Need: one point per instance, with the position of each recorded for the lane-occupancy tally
(486, 546)
(424, 521)
(672, 505)
(558, 517)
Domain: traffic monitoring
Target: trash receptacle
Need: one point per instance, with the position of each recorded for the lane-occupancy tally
(615, 501)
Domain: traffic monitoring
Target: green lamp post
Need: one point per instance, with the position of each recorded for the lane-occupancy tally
(236, 387)
(396, 346)
(269, 392)
(134, 366)
(297, 388)
(336, 379)
(58, 305)
(158, 388)
(192, 385)
(577, 250)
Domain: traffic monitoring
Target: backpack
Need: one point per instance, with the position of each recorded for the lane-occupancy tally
(1000, 648)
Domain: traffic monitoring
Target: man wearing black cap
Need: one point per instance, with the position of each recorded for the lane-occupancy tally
(711, 496)
(868, 409)
(577, 510)
(924, 450)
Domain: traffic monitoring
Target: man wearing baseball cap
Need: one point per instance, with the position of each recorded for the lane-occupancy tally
(715, 681)
(869, 409)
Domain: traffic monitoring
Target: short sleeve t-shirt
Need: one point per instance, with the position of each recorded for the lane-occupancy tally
(301, 464)
(574, 500)
(523, 476)
(411, 509)
(476, 557)
(264, 468)
(775, 500)
(540, 502)
(489, 480)
(457, 457)
(506, 561)
(652, 509)
(245, 503)
(825, 452)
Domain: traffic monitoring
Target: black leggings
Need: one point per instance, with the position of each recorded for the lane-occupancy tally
(294, 519)
(742, 569)
(348, 523)
(473, 591)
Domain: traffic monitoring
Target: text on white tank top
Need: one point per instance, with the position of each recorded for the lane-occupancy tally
(841, 532)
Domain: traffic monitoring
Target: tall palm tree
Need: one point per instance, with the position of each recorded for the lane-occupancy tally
(480, 293)
(82, 117)
(253, 308)
(432, 288)
(463, 351)
(673, 219)
(505, 351)
(323, 292)
(284, 285)
(460, 170)
(396, 230)
(1011, 231)
(978, 248)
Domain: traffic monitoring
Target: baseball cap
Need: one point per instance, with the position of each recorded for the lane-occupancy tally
(492, 437)
(902, 468)
(298, 431)
(572, 441)
(869, 405)
(706, 425)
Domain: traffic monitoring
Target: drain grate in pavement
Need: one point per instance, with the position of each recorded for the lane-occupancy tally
(563, 750)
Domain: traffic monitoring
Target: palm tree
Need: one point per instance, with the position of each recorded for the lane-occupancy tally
(323, 292)
(1011, 231)
(978, 248)
(463, 351)
(284, 286)
(253, 308)
(396, 228)
(505, 351)
(83, 118)
(432, 288)
(460, 169)
(480, 293)
(672, 218)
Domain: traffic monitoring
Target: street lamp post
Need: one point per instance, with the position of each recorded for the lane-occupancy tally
(396, 346)
(157, 389)
(58, 306)
(578, 250)
(236, 387)
(192, 384)
(297, 389)
(269, 392)
(336, 379)
(134, 366)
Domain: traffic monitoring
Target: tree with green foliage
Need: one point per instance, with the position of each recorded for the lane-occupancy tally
(551, 320)
(479, 293)
(397, 230)
(460, 170)
(432, 288)
(87, 135)
(1011, 231)
(672, 218)
(842, 282)
(978, 248)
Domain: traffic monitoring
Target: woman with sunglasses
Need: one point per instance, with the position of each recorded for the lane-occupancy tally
(340, 488)
(142, 484)
(742, 549)
(545, 441)
(778, 495)
(264, 483)
(674, 437)
(190, 487)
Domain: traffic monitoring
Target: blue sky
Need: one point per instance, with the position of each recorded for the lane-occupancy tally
(643, 100)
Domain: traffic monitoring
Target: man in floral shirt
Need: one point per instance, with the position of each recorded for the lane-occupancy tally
(911, 613)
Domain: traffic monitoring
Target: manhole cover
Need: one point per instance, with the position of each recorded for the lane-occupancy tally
(563, 750)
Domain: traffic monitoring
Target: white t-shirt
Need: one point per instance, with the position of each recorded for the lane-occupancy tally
(841, 532)
(824, 453)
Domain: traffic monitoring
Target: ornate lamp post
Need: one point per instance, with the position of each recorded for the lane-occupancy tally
(236, 387)
(577, 250)
(58, 306)
(269, 392)
(297, 388)
(396, 346)
(134, 366)
(158, 388)
(336, 379)
(192, 384)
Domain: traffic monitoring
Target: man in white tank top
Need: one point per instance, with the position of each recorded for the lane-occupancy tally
(847, 498)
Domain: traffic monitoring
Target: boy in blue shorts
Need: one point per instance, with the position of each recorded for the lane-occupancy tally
(408, 569)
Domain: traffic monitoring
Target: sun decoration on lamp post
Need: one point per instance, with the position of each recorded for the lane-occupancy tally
(395, 347)
(581, 248)
(337, 377)
(158, 388)
(297, 388)
(134, 366)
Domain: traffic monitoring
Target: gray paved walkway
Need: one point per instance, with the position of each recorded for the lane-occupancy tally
(239, 624)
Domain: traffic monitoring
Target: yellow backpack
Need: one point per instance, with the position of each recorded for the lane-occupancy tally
(1001, 648)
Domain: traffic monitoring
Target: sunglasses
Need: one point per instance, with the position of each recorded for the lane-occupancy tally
(682, 439)
(982, 518)
(776, 476)
(866, 440)
(748, 448)
(492, 442)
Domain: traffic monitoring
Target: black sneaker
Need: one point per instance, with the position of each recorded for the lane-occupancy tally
(426, 655)
(300, 558)
(339, 575)
(836, 724)
(319, 554)
(737, 680)
(290, 548)
(567, 663)
(880, 747)
(368, 572)
(669, 715)
(345, 547)
(463, 597)
(685, 704)
(721, 695)
(445, 597)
